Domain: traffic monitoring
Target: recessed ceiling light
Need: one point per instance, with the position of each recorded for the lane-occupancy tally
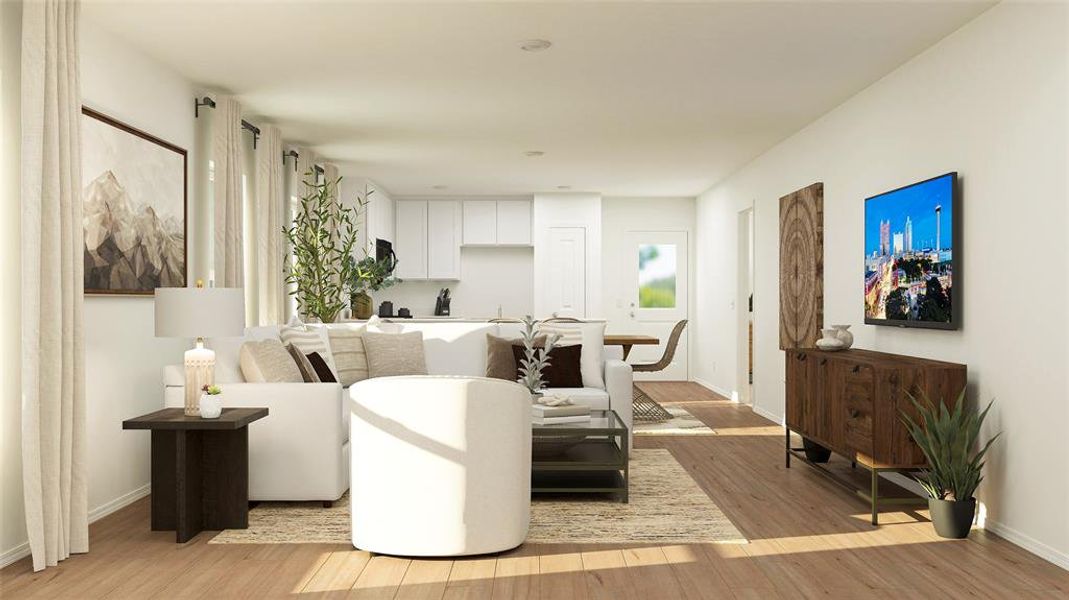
(535, 45)
(533, 153)
(440, 187)
(564, 187)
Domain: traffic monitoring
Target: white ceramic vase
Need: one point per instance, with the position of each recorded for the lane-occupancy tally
(830, 341)
(842, 332)
(211, 406)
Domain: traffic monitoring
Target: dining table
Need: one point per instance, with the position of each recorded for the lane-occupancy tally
(627, 341)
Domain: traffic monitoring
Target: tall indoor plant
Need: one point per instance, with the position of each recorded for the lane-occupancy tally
(322, 237)
(948, 438)
(369, 274)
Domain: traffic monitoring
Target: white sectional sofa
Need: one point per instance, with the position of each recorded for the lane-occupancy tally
(301, 450)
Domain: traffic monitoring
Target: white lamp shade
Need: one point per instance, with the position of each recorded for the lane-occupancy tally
(200, 312)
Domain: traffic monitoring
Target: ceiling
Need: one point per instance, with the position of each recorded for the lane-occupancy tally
(633, 99)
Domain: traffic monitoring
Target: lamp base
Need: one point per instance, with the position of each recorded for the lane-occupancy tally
(200, 371)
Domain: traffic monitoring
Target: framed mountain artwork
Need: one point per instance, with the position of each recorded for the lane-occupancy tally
(134, 208)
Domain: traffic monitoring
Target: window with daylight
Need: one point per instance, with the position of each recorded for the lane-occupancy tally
(657, 276)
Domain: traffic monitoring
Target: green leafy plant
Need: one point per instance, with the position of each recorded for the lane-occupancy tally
(211, 390)
(322, 236)
(948, 439)
(371, 274)
(535, 359)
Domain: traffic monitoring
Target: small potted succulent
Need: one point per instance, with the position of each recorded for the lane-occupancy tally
(949, 440)
(211, 402)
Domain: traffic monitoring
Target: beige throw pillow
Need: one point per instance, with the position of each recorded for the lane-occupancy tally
(390, 354)
(268, 361)
(308, 340)
(308, 372)
(350, 357)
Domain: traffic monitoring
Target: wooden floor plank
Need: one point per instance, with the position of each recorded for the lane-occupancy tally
(808, 539)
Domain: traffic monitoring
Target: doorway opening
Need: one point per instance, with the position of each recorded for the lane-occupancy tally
(744, 299)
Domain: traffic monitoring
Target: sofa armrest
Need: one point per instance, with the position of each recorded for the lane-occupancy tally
(618, 383)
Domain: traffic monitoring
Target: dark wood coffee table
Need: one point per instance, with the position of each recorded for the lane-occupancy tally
(200, 469)
(594, 460)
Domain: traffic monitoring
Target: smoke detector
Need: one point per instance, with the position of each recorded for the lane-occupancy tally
(535, 45)
(533, 153)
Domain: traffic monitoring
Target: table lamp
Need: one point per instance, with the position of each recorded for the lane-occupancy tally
(199, 312)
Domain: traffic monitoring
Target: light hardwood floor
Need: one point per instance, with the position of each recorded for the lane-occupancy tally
(808, 539)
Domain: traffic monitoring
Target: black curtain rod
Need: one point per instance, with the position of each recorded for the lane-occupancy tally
(207, 101)
(295, 156)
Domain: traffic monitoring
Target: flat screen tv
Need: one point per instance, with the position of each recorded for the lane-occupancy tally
(912, 235)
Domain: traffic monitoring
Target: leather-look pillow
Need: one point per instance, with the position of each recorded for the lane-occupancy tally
(563, 370)
(305, 367)
(500, 362)
(322, 369)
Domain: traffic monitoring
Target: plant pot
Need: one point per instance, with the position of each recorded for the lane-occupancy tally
(362, 305)
(814, 452)
(211, 406)
(952, 519)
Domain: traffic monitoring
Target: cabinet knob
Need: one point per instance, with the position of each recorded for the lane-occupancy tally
(856, 368)
(823, 361)
(853, 412)
(893, 378)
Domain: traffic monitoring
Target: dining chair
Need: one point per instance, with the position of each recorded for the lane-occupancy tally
(646, 409)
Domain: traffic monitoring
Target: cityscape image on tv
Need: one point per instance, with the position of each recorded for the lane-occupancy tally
(908, 252)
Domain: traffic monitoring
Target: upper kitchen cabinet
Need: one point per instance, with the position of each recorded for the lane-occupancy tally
(428, 236)
(497, 222)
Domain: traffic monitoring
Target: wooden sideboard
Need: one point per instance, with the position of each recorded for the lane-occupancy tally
(852, 401)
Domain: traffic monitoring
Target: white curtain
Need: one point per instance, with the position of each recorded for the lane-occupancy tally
(227, 198)
(270, 210)
(305, 172)
(53, 349)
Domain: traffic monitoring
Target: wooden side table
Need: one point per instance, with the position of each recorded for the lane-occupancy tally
(200, 469)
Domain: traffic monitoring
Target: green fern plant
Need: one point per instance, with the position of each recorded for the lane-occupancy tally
(322, 237)
(535, 359)
(948, 439)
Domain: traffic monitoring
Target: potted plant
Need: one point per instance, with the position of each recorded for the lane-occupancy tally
(948, 438)
(322, 237)
(211, 402)
(535, 359)
(369, 274)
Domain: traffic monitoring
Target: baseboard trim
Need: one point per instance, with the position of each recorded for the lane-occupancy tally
(15, 554)
(712, 388)
(23, 550)
(1029, 543)
(771, 416)
(119, 503)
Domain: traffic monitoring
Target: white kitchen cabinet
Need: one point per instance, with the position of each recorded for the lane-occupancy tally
(443, 239)
(513, 223)
(410, 243)
(480, 222)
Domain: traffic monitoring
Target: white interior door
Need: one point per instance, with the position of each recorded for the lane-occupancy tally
(656, 275)
(566, 276)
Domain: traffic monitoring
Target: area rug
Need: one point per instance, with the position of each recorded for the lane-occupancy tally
(666, 507)
(681, 423)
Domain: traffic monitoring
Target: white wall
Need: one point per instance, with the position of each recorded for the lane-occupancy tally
(619, 218)
(123, 358)
(568, 210)
(12, 518)
(990, 101)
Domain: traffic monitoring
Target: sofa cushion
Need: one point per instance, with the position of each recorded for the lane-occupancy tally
(394, 354)
(322, 370)
(308, 372)
(268, 361)
(350, 357)
(308, 340)
(500, 361)
(563, 370)
(592, 397)
(591, 336)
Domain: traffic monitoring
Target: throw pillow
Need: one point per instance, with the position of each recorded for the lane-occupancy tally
(308, 340)
(500, 362)
(268, 361)
(390, 354)
(322, 371)
(591, 336)
(350, 357)
(303, 365)
(563, 370)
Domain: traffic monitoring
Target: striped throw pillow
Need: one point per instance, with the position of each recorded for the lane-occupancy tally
(308, 340)
(350, 357)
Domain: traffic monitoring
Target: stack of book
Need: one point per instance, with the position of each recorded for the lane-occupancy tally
(568, 413)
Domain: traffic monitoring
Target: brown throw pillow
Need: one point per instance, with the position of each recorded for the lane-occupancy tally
(500, 363)
(322, 369)
(563, 370)
(308, 372)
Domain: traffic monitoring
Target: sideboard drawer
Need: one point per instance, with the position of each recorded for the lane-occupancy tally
(857, 408)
